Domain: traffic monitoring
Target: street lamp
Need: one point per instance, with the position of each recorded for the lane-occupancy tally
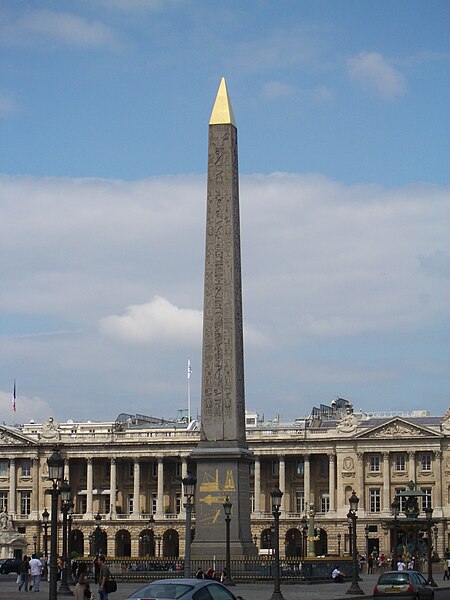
(98, 533)
(351, 517)
(339, 535)
(304, 524)
(276, 495)
(189, 482)
(158, 541)
(65, 491)
(366, 533)
(395, 509)
(45, 516)
(55, 465)
(227, 510)
(435, 532)
(428, 514)
(35, 542)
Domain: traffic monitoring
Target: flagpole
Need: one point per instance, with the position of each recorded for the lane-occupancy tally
(189, 371)
(14, 404)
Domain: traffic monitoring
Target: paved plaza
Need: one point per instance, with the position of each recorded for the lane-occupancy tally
(324, 591)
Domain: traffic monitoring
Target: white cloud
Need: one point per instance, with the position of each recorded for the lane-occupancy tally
(158, 320)
(277, 89)
(374, 73)
(61, 26)
(8, 105)
(26, 408)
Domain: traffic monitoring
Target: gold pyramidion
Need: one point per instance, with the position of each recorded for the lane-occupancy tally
(222, 112)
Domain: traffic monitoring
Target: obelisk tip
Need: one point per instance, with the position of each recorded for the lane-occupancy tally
(222, 112)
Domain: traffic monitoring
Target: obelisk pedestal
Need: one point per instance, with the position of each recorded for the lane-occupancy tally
(222, 455)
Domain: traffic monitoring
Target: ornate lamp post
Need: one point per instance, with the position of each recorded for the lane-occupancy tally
(158, 541)
(91, 544)
(311, 531)
(189, 483)
(35, 542)
(339, 536)
(351, 517)
(435, 532)
(98, 533)
(276, 495)
(55, 465)
(45, 516)
(69, 531)
(428, 514)
(227, 510)
(304, 525)
(366, 533)
(65, 491)
(395, 509)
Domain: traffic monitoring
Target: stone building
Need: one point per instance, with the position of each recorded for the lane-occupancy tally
(129, 473)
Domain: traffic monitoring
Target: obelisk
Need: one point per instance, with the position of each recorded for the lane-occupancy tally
(222, 455)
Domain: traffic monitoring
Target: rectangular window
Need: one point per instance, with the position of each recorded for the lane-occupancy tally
(324, 502)
(25, 503)
(154, 496)
(300, 470)
(275, 468)
(299, 501)
(26, 469)
(154, 469)
(401, 499)
(130, 503)
(3, 468)
(4, 502)
(400, 462)
(252, 501)
(178, 469)
(324, 466)
(426, 500)
(107, 505)
(251, 469)
(178, 503)
(374, 465)
(426, 462)
(374, 500)
(83, 505)
(131, 470)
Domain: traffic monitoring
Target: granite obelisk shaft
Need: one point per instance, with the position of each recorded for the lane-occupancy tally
(222, 454)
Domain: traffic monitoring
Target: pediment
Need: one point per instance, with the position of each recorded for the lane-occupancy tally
(12, 437)
(398, 428)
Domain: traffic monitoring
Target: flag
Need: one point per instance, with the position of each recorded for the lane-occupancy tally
(14, 397)
(189, 370)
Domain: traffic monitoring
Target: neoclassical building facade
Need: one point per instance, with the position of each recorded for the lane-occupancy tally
(129, 473)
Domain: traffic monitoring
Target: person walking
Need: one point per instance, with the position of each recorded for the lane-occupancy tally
(104, 577)
(447, 569)
(35, 572)
(23, 573)
(82, 589)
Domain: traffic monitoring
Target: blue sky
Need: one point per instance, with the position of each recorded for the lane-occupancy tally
(343, 124)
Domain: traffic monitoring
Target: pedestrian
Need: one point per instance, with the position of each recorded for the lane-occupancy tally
(370, 564)
(103, 577)
(210, 573)
(23, 573)
(199, 574)
(447, 570)
(223, 575)
(82, 589)
(401, 565)
(337, 576)
(35, 572)
(96, 564)
(411, 564)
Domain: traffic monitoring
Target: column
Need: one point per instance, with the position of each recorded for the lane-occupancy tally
(307, 481)
(112, 488)
(257, 484)
(386, 484)
(437, 500)
(89, 480)
(160, 490)
(35, 490)
(282, 481)
(66, 470)
(136, 490)
(331, 480)
(359, 478)
(12, 486)
(184, 470)
(412, 466)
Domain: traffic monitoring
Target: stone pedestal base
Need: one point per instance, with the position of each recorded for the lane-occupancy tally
(222, 472)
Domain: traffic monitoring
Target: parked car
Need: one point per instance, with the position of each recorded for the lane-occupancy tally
(11, 565)
(185, 589)
(408, 585)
